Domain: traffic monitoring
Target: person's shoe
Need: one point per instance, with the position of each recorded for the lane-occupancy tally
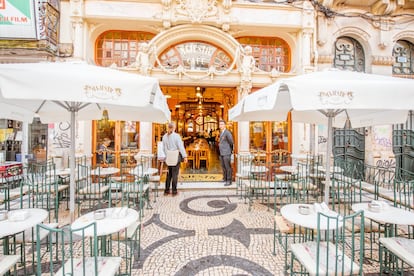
(174, 193)
(166, 193)
(227, 184)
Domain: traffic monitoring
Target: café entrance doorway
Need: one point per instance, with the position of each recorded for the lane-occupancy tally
(197, 111)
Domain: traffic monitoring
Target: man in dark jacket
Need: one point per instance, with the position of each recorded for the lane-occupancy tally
(225, 149)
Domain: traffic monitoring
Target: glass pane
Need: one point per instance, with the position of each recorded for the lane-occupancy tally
(195, 56)
(269, 53)
(257, 136)
(280, 137)
(105, 142)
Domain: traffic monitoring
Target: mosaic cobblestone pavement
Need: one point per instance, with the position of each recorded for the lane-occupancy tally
(209, 232)
(206, 233)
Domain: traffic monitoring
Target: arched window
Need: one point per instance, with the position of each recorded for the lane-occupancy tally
(119, 47)
(269, 52)
(195, 55)
(349, 55)
(403, 53)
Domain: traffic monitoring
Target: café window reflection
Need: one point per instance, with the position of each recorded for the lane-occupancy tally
(280, 138)
(257, 136)
(130, 135)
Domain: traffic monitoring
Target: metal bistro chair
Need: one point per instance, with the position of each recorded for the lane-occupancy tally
(77, 253)
(258, 185)
(404, 198)
(136, 194)
(12, 188)
(127, 245)
(286, 233)
(90, 194)
(8, 263)
(301, 185)
(244, 162)
(337, 250)
(396, 256)
(44, 189)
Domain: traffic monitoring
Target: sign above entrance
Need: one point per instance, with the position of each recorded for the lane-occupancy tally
(195, 56)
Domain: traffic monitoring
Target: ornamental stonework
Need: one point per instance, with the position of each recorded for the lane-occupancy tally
(197, 10)
(325, 59)
(382, 60)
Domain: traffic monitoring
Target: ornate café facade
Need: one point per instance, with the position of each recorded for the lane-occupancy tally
(209, 54)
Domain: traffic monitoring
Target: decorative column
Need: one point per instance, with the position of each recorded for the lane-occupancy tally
(243, 127)
(243, 134)
(77, 28)
(306, 48)
(308, 27)
(145, 137)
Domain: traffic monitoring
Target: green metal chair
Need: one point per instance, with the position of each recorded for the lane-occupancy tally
(404, 198)
(8, 264)
(44, 188)
(258, 186)
(12, 188)
(44, 192)
(71, 251)
(91, 192)
(396, 256)
(337, 249)
(302, 188)
(244, 162)
(146, 163)
(136, 194)
(285, 234)
(127, 245)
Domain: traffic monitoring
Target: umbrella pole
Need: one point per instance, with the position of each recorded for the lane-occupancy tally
(328, 159)
(72, 167)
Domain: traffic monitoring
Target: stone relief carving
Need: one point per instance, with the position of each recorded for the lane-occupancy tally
(144, 59)
(244, 90)
(247, 64)
(166, 13)
(384, 7)
(76, 7)
(353, 30)
(196, 10)
(382, 60)
(325, 59)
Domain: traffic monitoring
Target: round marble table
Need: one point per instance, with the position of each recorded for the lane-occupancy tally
(110, 224)
(390, 214)
(32, 216)
(291, 213)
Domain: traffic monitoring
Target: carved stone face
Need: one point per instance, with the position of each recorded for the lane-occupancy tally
(248, 50)
(144, 47)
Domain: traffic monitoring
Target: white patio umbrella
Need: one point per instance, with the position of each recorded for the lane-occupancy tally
(331, 97)
(70, 91)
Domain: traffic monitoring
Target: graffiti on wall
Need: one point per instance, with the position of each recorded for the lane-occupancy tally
(322, 139)
(61, 135)
(385, 163)
(382, 138)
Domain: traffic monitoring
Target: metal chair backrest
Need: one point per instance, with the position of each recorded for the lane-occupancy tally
(337, 237)
(65, 244)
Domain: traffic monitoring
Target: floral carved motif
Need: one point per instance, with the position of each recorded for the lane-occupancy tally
(197, 10)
